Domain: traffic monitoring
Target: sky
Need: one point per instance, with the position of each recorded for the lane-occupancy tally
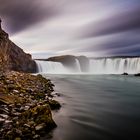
(94, 28)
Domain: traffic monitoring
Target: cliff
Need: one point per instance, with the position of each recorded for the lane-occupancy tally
(66, 60)
(12, 57)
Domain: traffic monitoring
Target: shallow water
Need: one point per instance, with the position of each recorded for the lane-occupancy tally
(97, 107)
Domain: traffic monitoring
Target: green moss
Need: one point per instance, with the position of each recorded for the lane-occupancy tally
(39, 114)
(54, 104)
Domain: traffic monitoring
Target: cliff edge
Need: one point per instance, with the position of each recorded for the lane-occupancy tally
(12, 57)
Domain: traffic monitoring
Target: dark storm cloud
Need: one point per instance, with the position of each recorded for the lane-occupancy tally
(128, 42)
(126, 21)
(19, 15)
(132, 50)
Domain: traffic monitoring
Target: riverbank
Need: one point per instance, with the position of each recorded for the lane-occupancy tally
(25, 106)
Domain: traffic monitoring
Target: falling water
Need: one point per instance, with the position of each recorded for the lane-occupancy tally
(51, 67)
(115, 65)
(78, 68)
(97, 66)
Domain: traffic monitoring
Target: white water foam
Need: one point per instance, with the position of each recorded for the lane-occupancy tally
(51, 67)
(115, 65)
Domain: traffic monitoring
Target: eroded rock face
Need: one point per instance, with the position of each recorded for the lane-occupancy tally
(14, 58)
(70, 61)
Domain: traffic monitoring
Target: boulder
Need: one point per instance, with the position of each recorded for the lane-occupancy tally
(138, 74)
(125, 73)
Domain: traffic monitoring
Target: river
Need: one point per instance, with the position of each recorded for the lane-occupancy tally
(96, 107)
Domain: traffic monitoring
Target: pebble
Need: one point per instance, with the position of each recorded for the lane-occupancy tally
(2, 120)
(4, 116)
(39, 127)
(26, 125)
(8, 121)
(15, 91)
(36, 137)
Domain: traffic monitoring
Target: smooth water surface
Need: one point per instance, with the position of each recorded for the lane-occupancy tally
(97, 107)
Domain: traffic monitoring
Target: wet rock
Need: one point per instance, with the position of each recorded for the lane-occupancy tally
(57, 94)
(16, 114)
(19, 132)
(40, 127)
(36, 137)
(138, 74)
(11, 86)
(8, 121)
(15, 91)
(4, 116)
(26, 107)
(54, 104)
(9, 135)
(50, 95)
(2, 77)
(18, 105)
(27, 125)
(2, 120)
(3, 102)
(4, 110)
(125, 73)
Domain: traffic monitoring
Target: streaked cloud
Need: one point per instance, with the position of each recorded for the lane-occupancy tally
(80, 27)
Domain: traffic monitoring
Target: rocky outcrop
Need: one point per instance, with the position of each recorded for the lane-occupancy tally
(70, 61)
(25, 106)
(125, 73)
(14, 58)
(66, 60)
(138, 75)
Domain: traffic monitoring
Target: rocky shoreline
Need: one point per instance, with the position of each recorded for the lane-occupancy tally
(25, 106)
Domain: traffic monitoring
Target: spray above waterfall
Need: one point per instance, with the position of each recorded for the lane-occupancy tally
(96, 66)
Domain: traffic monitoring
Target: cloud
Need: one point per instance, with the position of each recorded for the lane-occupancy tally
(19, 15)
(86, 27)
(124, 21)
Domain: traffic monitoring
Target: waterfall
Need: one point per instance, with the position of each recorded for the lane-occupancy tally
(115, 65)
(53, 67)
(78, 68)
(97, 66)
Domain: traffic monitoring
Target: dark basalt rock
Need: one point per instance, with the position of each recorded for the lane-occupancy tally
(54, 104)
(125, 73)
(12, 57)
(138, 74)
